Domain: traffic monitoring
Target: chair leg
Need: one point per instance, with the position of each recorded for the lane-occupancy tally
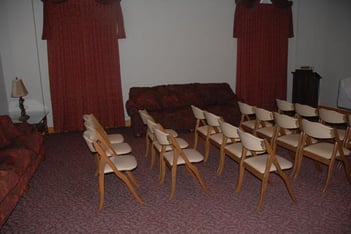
(298, 166)
(347, 169)
(125, 179)
(195, 138)
(240, 178)
(173, 185)
(162, 169)
(96, 164)
(288, 185)
(329, 175)
(221, 162)
(132, 178)
(147, 145)
(101, 190)
(153, 152)
(195, 172)
(207, 149)
(263, 191)
(295, 164)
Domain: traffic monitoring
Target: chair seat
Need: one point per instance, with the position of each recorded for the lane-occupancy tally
(267, 131)
(203, 130)
(292, 139)
(259, 163)
(218, 138)
(120, 148)
(182, 144)
(122, 162)
(115, 138)
(235, 149)
(172, 132)
(324, 149)
(249, 124)
(193, 155)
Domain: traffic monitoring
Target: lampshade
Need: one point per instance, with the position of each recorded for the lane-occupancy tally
(18, 88)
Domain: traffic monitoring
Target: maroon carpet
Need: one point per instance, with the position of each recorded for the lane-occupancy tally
(63, 198)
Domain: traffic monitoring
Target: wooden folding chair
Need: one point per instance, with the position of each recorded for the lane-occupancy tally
(120, 165)
(326, 148)
(176, 157)
(262, 165)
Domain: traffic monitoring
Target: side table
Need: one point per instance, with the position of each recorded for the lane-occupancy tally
(37, 120)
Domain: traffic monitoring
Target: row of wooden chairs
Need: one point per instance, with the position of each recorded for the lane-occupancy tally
(291, 129)
(173, 151)
(240, 146)
(112, 155)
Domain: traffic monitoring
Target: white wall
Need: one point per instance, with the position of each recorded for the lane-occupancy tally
(20, 55)
(178, 41)
(322, 40)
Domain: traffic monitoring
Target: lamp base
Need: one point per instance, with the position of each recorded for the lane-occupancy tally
(23, 118)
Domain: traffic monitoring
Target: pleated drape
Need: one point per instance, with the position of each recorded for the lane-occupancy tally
(83, 56)
(262, 52)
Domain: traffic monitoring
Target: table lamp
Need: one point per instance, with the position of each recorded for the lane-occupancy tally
(19, 90)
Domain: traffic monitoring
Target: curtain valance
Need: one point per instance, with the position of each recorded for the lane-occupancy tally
(54, 10)
(252, 3)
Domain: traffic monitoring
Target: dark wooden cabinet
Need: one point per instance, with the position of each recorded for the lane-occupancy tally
(305, 87)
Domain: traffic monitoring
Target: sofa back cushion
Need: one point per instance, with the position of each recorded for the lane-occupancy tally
(216, 93)
(3, 139)
(145, 98)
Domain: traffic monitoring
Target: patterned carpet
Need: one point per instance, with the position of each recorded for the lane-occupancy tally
(63, 198)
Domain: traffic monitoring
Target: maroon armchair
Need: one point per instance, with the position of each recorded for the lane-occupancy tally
(170, 104)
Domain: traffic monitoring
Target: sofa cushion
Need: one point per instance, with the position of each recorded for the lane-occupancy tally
(170, 101)
(146, 99)
(148, 102)
(8, 180)
(15, 159)
(3, 139)
(8, 127)
(32, 142)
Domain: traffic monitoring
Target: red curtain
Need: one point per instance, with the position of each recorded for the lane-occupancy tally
(262, 52)
(83, 56)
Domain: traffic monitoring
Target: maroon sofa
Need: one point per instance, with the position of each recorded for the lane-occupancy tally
(21, 151)
(170, 104)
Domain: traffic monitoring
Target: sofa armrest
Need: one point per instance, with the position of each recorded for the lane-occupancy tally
(24, 128)
(136, 121)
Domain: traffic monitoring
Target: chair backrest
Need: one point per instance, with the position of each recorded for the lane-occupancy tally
(246, 109)
(229, 130)
(251, 142)
(90, 137)
(284, 105)
(144, 114)
(198, 113)
(331, 116)
(151, 125)
(92, 122)
(286, 121)
(87, 117)
(305, 110)
(317, 130)
(102, 137)
(212, 119)
(104, 159)
(89, 125)
(263, 114)
(162, 137)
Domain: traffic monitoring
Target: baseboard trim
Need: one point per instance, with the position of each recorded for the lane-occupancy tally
(127, 123)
